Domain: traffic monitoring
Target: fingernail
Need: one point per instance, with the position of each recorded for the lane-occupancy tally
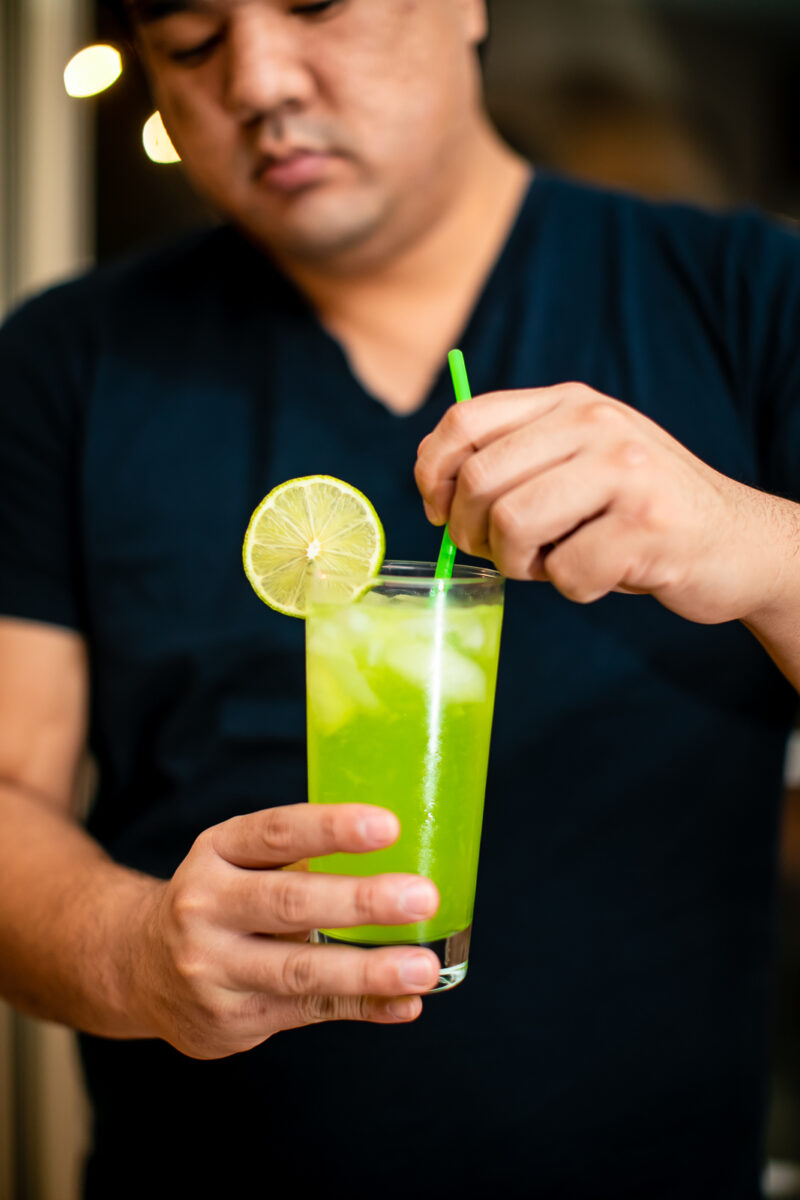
(402, 1010)
(418, 900)
(418, 972)
(378, 829)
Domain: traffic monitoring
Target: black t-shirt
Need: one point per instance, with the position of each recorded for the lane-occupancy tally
(612, 1035)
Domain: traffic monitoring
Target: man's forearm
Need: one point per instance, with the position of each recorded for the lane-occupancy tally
(70, 920)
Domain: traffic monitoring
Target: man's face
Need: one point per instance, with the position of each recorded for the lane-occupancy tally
(318, 127)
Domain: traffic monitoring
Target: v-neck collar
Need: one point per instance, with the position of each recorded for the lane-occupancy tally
(333, 349)
(469, 331)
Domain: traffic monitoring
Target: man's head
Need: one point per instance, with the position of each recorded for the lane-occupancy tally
(320, 128)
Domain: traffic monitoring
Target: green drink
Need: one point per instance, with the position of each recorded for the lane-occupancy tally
(401, 688)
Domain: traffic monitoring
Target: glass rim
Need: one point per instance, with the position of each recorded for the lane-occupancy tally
(423, 574)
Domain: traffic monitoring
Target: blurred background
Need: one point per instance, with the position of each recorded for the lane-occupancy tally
(683, 99)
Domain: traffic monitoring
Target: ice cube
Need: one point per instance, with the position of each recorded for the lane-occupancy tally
(468, 630)
(329, 706)
(337, 692)
(460, 679)
(463, 681)
(357, 620)
(321, 640)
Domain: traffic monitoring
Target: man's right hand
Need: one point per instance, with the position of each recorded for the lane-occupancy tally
(221, 960)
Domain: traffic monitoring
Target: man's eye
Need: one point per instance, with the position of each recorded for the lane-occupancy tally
(193, 56)
(313, 10)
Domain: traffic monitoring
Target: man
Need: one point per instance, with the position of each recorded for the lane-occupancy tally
(610, 1040)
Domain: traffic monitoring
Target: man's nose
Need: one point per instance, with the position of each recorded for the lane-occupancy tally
(265, 68)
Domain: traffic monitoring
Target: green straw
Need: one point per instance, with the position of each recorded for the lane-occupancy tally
(458, 369)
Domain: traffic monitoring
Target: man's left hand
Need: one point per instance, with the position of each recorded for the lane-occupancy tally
(568, 485)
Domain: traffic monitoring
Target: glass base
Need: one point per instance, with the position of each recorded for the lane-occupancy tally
(452, 952)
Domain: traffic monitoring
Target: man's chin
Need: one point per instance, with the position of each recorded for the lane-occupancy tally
(314, 229)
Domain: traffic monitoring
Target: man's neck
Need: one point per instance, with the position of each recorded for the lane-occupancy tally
(397, 316)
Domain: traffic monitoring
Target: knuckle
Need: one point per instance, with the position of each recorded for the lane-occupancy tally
(660, 571)
(581, 592)
(205, 842)
(361, 1008)
(278, 831)
(455, 421)
(191, 967)
(298, 973)
(423, 475)
(630, 455)
(513, 566)
(215, 1011)
(365, 901)
(450, 420)
(189, 906)
(649, 515)
(578, 591)
(564, 574)
(511, 559)
(313, 1009)
(600, 414)
(288, 898)
(458, 532)
(329, 826)
(473, 476)
(506, 520)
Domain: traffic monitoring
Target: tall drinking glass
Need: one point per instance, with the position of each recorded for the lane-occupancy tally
(401, 684)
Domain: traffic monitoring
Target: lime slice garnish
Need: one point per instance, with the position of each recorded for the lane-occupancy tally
(307, 524)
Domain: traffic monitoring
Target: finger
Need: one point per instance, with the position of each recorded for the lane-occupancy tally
(525, 522)
(276, 837)
(598, 558)
(502, 467)
(465, 429)
(292, 1013)
(289, 902)
(298, 969)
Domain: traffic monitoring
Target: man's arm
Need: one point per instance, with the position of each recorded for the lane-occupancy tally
(567, 485)
(108, 950)
(62, 898)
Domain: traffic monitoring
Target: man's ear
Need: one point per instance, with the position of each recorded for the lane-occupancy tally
(476, 20)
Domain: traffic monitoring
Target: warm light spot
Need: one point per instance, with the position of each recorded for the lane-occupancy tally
(155, 140)
(92, 70)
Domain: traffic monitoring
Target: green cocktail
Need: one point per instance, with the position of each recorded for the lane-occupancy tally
(401, 688)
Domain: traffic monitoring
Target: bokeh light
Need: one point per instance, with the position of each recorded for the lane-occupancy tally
(156, 141)
(92, 70)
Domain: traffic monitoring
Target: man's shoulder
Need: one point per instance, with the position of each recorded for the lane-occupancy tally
(606, 242)
(620, 217)
(176, 278)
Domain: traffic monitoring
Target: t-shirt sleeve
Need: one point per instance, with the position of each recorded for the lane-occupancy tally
(764, 323)
(40, 543)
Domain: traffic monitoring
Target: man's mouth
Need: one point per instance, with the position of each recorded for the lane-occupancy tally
(292, 169)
